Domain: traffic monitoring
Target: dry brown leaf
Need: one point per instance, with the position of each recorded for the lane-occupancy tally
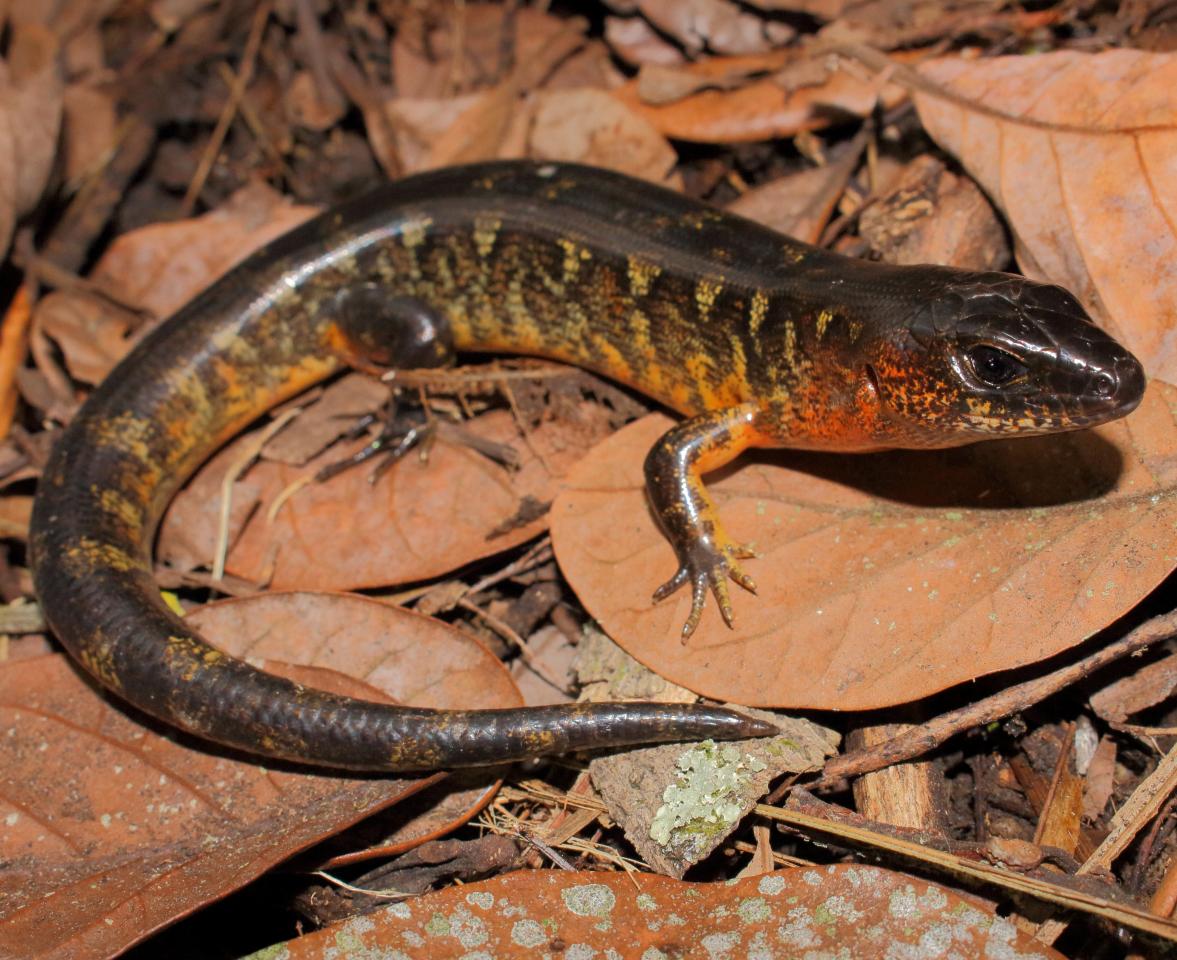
(419, 122)
(30, 115)
(553, 653)
(91, 333)
(1100, 780)
(483, 131)
(717, 25)
(931, 215)
(333, 414)
(162, 266)
(1092, 206)
(887, 577)
(308, 108)
(1144, 687)
(114, 830)
(590, 126)
(417, 521)
(638, 44)
(799, 204)
(835, 910)
(89, 130)
(15, 512)
(760, 110)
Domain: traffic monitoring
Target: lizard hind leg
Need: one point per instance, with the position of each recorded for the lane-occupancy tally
(373, 331)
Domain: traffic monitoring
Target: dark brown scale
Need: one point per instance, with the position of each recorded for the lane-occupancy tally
(760, 340)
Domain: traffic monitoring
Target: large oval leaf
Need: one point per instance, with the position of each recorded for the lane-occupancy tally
(888, 577)
(840, 910)
(1092, 201)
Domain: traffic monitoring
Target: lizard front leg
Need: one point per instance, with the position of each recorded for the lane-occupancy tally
(674, 467)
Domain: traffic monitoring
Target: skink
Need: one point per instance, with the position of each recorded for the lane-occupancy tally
(757, 340)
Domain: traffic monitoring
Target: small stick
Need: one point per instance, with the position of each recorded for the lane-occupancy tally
(229, 111)
(919, 740)
(13, 337)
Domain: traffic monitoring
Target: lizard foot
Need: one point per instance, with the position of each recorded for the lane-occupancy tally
(396, 438)
(705, 564)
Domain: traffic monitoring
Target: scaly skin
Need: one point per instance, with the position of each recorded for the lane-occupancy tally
(758, 340)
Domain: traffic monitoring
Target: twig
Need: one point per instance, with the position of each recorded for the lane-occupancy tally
(379, 894)
(540, 553)
(919, 740)
(238, 467)
(1123, 914)
(13, 335)
(1146, 800)
(511, 636)
(236, 91)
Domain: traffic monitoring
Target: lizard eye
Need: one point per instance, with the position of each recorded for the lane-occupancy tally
(994, 367)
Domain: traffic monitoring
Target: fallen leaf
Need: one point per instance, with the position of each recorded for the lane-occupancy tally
(553, 653)
(162, 266)
(590, 126)
(483, 131)
(877, 571)
(718, 25)
(1144, 687)
(799, 204)
(416, 521)
(91, 333)
(931, 215)
(1100, 780)
(112, 830)
(637, 43)
(1092, 203)
(760, 110)
(30, 117)
(89, 131)
(334, 413)
(836, 910)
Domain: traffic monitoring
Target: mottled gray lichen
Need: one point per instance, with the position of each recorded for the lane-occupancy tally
(705, 799)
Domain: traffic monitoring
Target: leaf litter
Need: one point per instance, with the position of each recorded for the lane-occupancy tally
(896, 551)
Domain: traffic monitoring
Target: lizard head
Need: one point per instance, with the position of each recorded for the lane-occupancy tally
(992, 354)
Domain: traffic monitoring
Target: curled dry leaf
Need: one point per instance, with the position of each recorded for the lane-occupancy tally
(637, 43)
(799, 204)
(1091, 196)
(718, 25)
(30, 116)
(110, 830)
(761, 109)
(886, 577)
(836, 910)
(91, 332)
(1144, 687)
(931, 215)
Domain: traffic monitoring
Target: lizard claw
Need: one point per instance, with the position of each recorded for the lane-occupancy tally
(708, 566)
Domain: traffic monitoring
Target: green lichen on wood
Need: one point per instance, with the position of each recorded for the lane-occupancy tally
(705, 799)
